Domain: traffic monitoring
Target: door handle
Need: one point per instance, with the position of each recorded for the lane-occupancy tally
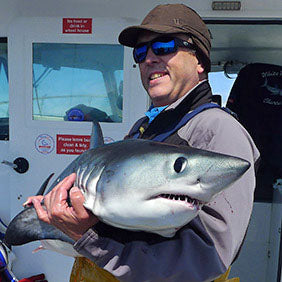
(20, 165)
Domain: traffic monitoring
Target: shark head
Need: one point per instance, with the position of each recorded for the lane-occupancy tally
(155, 187)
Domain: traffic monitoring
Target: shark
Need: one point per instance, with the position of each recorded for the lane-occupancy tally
(274, 90)
(137, 185)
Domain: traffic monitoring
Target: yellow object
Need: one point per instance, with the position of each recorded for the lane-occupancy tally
(141, 130)
(84, 270)
(224, 277)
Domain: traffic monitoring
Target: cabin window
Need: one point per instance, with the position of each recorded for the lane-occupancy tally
(221, 84)
(77, 82)
(4, 90)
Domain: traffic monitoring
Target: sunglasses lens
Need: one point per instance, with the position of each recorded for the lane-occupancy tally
(164, 47)
(140, 53)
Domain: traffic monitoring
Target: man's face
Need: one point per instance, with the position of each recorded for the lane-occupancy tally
(169, 77)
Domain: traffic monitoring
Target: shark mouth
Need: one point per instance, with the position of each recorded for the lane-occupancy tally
(183, 198)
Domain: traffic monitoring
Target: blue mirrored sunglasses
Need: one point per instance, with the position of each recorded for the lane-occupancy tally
(160, 46)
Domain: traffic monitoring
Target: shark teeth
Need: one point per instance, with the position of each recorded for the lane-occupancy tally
(183, 198)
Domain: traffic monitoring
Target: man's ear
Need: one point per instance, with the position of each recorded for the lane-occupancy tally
(201, 71)
(200, 67)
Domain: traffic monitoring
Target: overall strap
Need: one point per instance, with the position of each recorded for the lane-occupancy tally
(184, 120)
(135, 129)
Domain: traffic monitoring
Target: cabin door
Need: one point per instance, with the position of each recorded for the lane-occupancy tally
(63, 73)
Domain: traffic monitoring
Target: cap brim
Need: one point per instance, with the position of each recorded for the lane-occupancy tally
(129, 36)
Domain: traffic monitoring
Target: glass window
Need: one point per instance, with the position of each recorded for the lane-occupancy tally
(221, 85)
(77, 82)
(4, 91)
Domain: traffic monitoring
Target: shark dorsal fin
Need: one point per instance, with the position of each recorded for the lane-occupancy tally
(97, 139)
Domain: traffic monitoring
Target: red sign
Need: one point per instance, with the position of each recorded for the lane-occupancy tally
(72, 144)
(77, 25)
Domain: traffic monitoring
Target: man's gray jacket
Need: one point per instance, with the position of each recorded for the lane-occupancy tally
(207, 246)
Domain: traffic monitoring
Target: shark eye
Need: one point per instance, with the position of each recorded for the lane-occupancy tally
(180, 164)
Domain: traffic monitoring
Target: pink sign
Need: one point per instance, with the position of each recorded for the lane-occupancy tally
(72, 144)
(77, 25)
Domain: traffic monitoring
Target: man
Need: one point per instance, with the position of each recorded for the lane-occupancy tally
(171, 47)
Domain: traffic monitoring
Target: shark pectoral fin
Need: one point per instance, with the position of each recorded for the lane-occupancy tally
(59, 247)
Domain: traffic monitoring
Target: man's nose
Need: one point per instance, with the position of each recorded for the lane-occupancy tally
(151, 57)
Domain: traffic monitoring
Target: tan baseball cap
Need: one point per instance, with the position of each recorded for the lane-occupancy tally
(173, 18)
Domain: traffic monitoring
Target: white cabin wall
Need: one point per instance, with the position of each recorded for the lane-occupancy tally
(133, 11)
(8, 11)
(137, 9)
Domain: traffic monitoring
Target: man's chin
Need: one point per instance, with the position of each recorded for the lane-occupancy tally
(160, 101)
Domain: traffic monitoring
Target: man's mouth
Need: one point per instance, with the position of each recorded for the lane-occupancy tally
(156, 75)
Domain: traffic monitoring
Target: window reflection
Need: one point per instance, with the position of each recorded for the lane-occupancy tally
(77, 82)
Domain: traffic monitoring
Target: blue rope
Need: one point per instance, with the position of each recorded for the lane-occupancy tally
(1, 221)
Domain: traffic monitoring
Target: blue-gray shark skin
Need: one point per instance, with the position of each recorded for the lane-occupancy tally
(138, 185)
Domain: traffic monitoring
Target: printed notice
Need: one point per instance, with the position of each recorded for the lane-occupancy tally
(77, 25)
(72, 144)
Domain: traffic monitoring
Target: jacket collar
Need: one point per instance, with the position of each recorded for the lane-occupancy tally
(193, 92)
(199, 95)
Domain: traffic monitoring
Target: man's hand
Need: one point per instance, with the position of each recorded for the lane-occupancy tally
(73, 221)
